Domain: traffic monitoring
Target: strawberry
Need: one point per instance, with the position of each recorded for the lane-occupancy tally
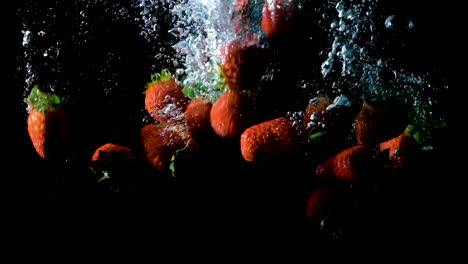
(315, 110)
(48, 122)
(104, 151)
(240, 19)
(279, 18)
(164, 99)
(350, 164)
(379, 121)
(317, 204)
(243, 62)
(197, 117)
(111, 161)
(269, 143)
(403, 150)
(228, 115)
(159, 144)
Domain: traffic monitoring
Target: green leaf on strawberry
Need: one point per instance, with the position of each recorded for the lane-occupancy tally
(43, 102)
(162, 77)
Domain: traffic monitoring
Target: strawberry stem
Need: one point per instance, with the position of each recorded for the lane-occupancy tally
(162, 77)
(43, 102)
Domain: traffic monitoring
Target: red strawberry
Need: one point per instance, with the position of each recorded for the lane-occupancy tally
(270, 143)
(159, 144)
(350, 164)
(240, 19)
(243, 63)
(403, 150)
(315, 110)
(279, 17)
(164, 99)
(379, 121)
(48, 123)
(228, 115)
(317, 204)
(106, 149)
(111, 161)
(197, 117)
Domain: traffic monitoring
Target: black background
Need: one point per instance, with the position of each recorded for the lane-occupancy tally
(253, 206)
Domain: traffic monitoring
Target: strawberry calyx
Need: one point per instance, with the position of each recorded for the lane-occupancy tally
(158, 78)
(44, 102)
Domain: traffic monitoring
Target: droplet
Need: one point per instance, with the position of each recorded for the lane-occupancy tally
(26, 37)
(399, 22)
(52, 52)
(389, 23)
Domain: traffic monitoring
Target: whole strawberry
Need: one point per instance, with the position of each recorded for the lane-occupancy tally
(379, 120)
(350, 164)
(279, 18)
(228, 115)
(243, 63)
(164, 99)
(159, 144)
(403, 151)
(241, 14)
(48, 123)
(318, 203)
(105, 150)
(270, 143)
(315, 111)
(112, 161)
(197, 117)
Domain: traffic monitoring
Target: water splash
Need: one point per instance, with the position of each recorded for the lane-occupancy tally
(202, 27)
(355, 64)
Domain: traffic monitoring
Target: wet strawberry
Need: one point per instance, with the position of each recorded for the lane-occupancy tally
(243, 63)
(270, 143)
(403, 150)
(111, 161)
(317, 205)
(48, 123)
(197, 117)
(164, 99)
(159, 144)
(240, 19)
(315, 111)
(379, 121)
(228, 115)
(279, 18)
(103, 152)
(350, 164)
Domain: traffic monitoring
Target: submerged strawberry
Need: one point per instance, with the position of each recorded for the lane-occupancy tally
(111, 161)
(164, 99)
(271, 143)
(279, 18)
(197, 117)
(48, 123)
(350, 164)
(403, 150)
(243, 63)
(240, 19)
(318, 203)
(379, 121)
(315, 111)
(105, 150)
(159, 144)
(229, 115)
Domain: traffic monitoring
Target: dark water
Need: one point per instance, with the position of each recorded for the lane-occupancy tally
(104, 63)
